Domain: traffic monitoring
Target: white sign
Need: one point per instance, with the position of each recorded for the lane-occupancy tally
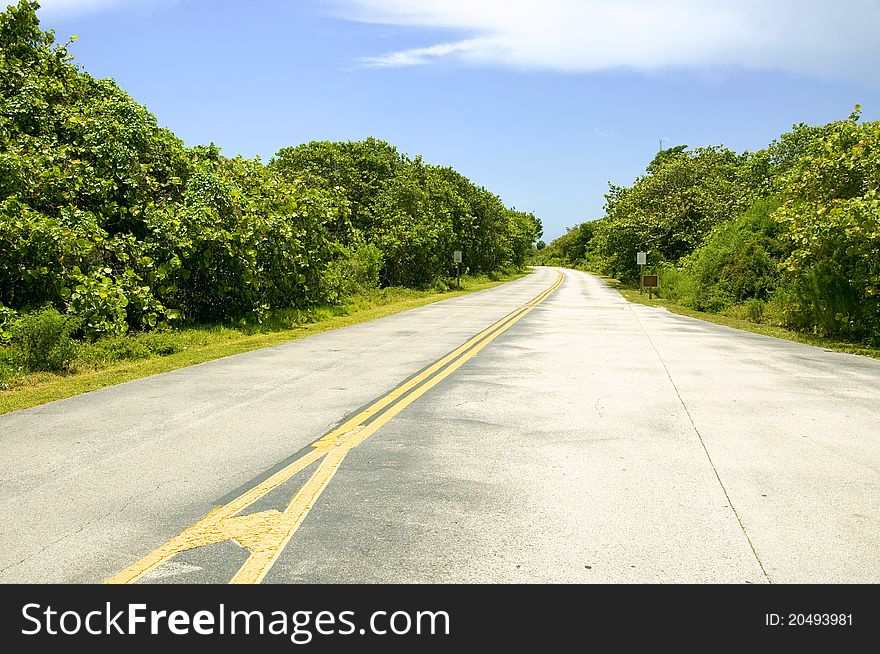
(642, 258)
(456, 256)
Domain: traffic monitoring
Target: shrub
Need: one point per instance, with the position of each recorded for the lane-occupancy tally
(671, 210)
(751, 310)
(161, 343)
(834, 267)
(107, 215)
(8, 367)
(737, 263)
(832, 216)
(7, 319)
(673, 283)
(355, 269)
(118, 348)
(100, 302)
(785, 308)
(43, 340)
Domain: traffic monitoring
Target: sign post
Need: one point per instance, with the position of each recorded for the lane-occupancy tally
(642, 261)
(456, 259)
(651, 282)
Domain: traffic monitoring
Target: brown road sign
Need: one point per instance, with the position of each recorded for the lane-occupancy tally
(650, 281)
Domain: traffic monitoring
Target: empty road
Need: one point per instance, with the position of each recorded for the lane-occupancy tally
(542, 431)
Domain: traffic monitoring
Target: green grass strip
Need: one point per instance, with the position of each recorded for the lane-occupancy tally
(215, 342)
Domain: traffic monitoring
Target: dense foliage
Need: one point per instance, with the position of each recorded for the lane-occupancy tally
(113, 221)
(416, 214)
(788, 235)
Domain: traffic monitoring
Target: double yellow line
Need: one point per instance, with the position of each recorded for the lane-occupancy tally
(265, 534)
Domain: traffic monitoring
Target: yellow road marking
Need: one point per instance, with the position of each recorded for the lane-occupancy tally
(265, 534)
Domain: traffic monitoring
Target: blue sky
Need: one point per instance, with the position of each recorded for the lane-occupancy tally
(542, 102)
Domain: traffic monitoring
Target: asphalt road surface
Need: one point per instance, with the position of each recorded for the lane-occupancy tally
(535, 432)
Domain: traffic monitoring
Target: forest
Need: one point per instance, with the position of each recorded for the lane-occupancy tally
(111, 225)
(786, 236)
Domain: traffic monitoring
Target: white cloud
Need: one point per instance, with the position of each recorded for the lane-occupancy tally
(838, 39)
(417, 56)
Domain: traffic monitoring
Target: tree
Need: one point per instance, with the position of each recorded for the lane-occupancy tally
(669, 211)
(832, 218)
(111, 219)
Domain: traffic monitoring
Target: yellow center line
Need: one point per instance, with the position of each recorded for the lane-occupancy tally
(265, 534)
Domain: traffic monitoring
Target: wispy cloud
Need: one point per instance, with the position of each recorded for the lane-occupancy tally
(815, 37)
(416, 56)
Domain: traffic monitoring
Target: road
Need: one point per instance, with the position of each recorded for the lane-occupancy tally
(535, 432)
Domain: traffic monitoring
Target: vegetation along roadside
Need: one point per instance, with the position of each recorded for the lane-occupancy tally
(124, 252)
(133, 356)
(784, 241)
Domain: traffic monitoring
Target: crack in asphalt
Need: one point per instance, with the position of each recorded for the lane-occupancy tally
(703, 444)
(71, 534)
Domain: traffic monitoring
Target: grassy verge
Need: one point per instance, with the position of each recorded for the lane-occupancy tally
(99, 365)
(632, 294)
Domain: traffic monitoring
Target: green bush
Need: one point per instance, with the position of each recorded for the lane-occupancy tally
(832, 216)
(7, 319)
(112, 349)
(355, 269)
(671, 210)
(673, 283)
(6, 375)
(161, 343)
(738, 262)
(814, 255)
(785, 308)
(112, 217)
(789, 235)
(751, 310)
(43, 341)
(9, 368)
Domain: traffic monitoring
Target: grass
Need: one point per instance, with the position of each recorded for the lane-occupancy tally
(632, 294)
(149, 354)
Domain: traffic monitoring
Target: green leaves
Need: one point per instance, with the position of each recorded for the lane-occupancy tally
(809, 247)
(736, 263)
(832, 216)
(415, 213)
(110, 218)
(671, 210)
